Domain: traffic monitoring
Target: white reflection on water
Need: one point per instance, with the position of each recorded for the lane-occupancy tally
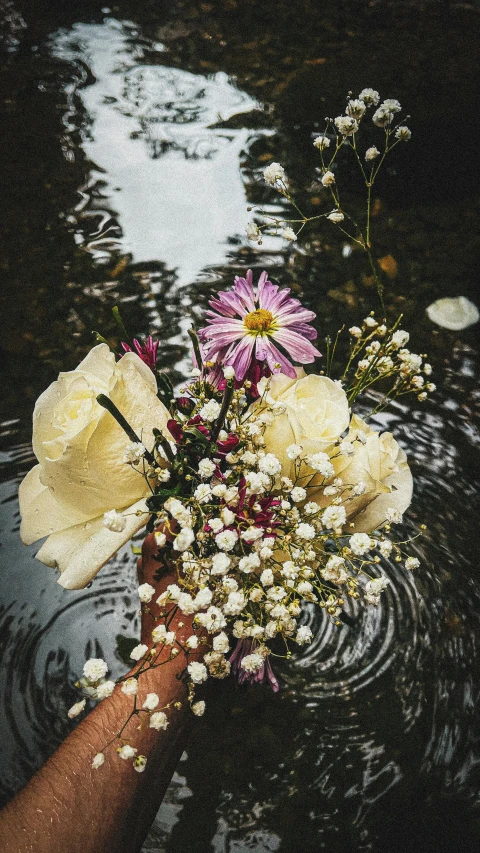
(173, 180)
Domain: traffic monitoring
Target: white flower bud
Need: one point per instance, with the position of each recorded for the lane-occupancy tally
(98, 760)
(76, 709)
(336, 216)
(146, 592)
(253, 232)
(158, 720)
(372, 153)
(403, 133)
(321, 142)
(114, 521)
(274, 173)
(328, 179)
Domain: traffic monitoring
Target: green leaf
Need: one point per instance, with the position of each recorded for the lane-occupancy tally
(195, 432)
(156, 501)
(124, 647)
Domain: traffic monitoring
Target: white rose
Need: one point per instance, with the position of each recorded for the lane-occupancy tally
(81, 473)
(381, 464)
(315, 413)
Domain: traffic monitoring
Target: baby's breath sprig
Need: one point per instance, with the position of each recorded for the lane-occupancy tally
(342, 132)
(378, 354)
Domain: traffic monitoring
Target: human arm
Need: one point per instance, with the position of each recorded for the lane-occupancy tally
(70, 807)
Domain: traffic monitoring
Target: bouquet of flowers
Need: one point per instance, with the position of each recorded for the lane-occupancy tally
(262, 488)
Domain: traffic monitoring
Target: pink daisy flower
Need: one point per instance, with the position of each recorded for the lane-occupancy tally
(245, 326)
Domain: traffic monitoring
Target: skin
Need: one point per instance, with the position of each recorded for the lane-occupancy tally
(69, 807)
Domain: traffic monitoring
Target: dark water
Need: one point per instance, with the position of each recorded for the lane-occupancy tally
(131, 140)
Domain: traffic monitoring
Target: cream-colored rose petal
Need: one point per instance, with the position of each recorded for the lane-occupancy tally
(315, 415)
(454, 313)
(98, 362)
(132, 360)
(82, 475)
(320, 406)
(93, 374)
(283, 431)
(387, 465)
(381, 464)
(279, 383)
(79, 552)
(41, 514)
(90, 472)
(399, 498)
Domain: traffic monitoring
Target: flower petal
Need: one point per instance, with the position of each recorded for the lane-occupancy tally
(375, 514)
(41, 514)
(454, 313)
(273, 356)
(272, 297)
(244, 291)
(227, 304)
(79, 552)
(300, 349)
(90, 471)
(240, 356)
(294, 315)
(263, 288)
(302, 329)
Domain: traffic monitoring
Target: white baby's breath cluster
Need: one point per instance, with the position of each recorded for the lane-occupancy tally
(257, 530)
(250, 545)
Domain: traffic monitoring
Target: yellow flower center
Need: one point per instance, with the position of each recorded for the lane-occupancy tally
(259, 320)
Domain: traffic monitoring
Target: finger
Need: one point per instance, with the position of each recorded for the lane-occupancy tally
(147, 565)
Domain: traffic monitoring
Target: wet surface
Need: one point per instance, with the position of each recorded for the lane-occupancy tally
(131, 142)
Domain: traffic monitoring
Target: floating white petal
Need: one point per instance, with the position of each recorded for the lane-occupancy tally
(453, 313)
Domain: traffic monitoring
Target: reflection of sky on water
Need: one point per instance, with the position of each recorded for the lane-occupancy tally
(173, 181)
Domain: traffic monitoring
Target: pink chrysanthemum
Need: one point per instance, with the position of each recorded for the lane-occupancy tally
(244, 327)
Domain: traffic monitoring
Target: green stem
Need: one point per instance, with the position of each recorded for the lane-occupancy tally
(227, 399)
(376, 279)
(101, 340)
(165, 445)
(369, 206)
(107, 404)
(196, 347)
(382, 158)
(119, 322)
